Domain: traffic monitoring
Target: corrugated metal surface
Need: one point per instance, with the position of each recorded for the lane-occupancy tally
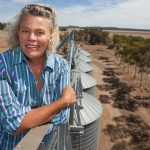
(90, 115)
(84, 58)
(84, 52)
(91, 91)
(84, 67)
(87, 81)
(91, 111)
(89, 139)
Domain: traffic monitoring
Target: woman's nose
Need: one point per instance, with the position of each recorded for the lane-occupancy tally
(32, 37)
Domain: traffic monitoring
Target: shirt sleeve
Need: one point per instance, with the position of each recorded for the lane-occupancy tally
(11, 112)
(63, 115)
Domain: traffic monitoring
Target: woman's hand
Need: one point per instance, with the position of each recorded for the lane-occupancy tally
(68, 96)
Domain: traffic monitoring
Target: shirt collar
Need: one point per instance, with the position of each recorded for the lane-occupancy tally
(50, 61)
(20, 57)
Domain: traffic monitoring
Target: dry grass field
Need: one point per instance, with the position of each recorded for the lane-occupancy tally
(144, 34)
(3, 43)
(125, 123)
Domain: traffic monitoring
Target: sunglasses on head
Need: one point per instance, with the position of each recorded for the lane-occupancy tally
(45, 7)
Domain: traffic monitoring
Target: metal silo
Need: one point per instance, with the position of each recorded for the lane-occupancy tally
(87, 81)
(86, 113)
(84, 58)
(90, 114)
(82, 51)
(84, 67)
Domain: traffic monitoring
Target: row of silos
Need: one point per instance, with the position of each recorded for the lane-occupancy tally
(90, 109)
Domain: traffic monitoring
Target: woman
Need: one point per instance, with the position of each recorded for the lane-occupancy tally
(34, 83)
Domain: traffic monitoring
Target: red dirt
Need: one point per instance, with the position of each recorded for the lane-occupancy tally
(125, 123)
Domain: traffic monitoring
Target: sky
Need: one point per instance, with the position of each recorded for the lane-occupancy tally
(101, 13)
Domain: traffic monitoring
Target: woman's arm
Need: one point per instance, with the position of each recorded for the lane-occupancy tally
(43, 114)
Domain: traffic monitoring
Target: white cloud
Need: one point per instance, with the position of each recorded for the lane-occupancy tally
(133, 14)
(9, 8)
(23, 1)
(116, 13)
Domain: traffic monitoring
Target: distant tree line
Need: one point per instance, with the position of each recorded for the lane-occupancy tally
(2, 25)
(90, 36)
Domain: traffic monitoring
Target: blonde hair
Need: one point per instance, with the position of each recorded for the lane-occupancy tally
(36, 10)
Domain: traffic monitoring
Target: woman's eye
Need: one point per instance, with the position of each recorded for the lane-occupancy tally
(40, 33)
(24, 31)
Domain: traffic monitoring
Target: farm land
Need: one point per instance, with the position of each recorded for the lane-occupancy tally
(125, 123)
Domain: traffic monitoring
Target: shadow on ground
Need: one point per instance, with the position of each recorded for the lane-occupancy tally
(126, 132)
(129, 133)
(120, 92)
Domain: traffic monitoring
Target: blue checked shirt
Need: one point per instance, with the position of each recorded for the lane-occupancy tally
(19, 94)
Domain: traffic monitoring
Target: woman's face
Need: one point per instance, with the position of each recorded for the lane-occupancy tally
(34, 36)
